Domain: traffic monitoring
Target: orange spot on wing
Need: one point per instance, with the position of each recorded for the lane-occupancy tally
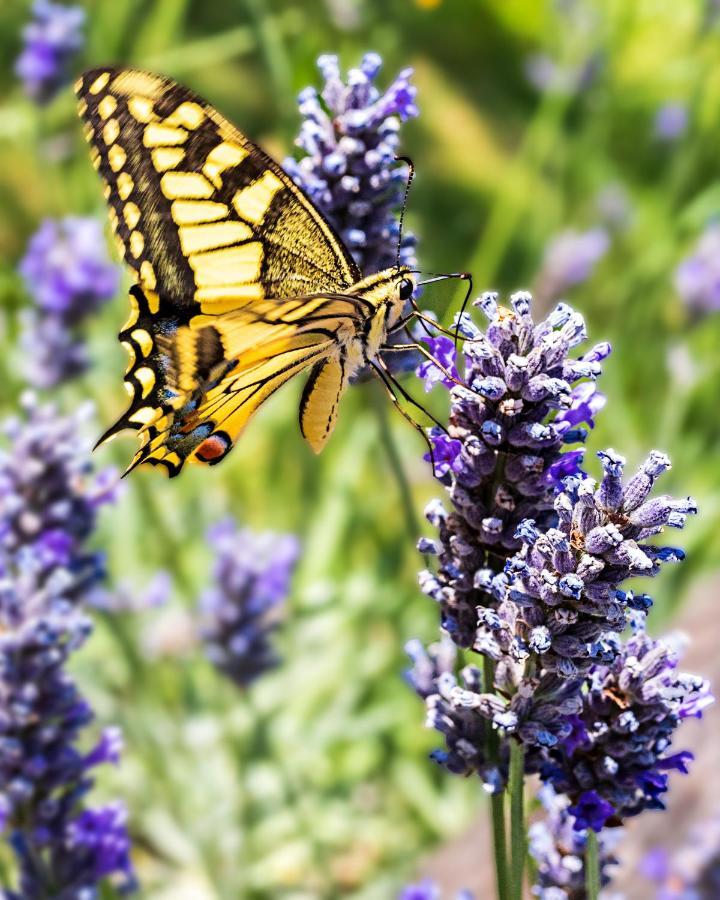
(212, 448)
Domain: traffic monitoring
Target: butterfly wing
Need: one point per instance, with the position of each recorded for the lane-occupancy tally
(217, 235)
(195, 387)
(203, 215)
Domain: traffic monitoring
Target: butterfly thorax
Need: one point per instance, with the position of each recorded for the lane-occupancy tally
(383, 306)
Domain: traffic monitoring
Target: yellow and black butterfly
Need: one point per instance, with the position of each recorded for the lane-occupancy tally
(242, 283)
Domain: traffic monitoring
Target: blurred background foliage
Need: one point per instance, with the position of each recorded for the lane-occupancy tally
(536, 117)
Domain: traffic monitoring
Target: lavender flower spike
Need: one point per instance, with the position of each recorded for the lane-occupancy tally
(570, 259)
(350, 138)
(69, 276)
(51, 40)
(48, 507)
(505, 454)
(240, 612)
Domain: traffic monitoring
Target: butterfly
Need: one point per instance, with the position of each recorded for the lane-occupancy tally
(241, 281)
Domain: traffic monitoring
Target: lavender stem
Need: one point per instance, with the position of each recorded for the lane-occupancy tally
(516, 788)
(592, 866)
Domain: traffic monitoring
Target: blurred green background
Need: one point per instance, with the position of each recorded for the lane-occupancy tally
(316, 783)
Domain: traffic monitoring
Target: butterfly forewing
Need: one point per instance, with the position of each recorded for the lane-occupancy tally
(221, 241)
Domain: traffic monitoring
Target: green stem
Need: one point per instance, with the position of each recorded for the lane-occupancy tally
(497, 800)
(592, 866)
(517, 818)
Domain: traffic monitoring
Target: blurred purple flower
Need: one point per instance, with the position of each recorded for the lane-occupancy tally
(428, 890)
(48, 510)
(570, 259)
(49, 495)
(350, 137)
(69, 276)
(697, 278)
(126, 598)
(548, 77)
(690, 872)
(240, 612)
(671, 122)
(50, 41)
(614, 206)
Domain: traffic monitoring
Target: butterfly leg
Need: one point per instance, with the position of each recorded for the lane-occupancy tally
(399, 348)
(389, 382)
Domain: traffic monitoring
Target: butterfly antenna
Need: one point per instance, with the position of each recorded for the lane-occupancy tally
(411, 175)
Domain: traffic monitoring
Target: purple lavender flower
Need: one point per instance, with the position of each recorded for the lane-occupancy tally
(350, 137)
(697, 278)
(671, 121)
(67, 273)
(252, 577)
(44, 775)
(443, 350)
(48, 508)
(504, 448)
(693, 871)
(570, 259)
(558, 849)
(619, 765)
(51, 40)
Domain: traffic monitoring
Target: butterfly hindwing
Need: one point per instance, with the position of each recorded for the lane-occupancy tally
(195, 387)
(321, 395)
(218, 237)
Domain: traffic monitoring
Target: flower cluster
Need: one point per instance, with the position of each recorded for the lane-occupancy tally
(239, 614)
(531, 565)
(570, 259)
(51, 40)
(350, 137)
(616, 761)
(466, 733)
(558, 849)
(691, 872)
(697, 278)
(68, 275)
(48, 506)
(502, 455)
(565, 583)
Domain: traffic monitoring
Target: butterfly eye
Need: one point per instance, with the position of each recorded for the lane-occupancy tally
(406, 289)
